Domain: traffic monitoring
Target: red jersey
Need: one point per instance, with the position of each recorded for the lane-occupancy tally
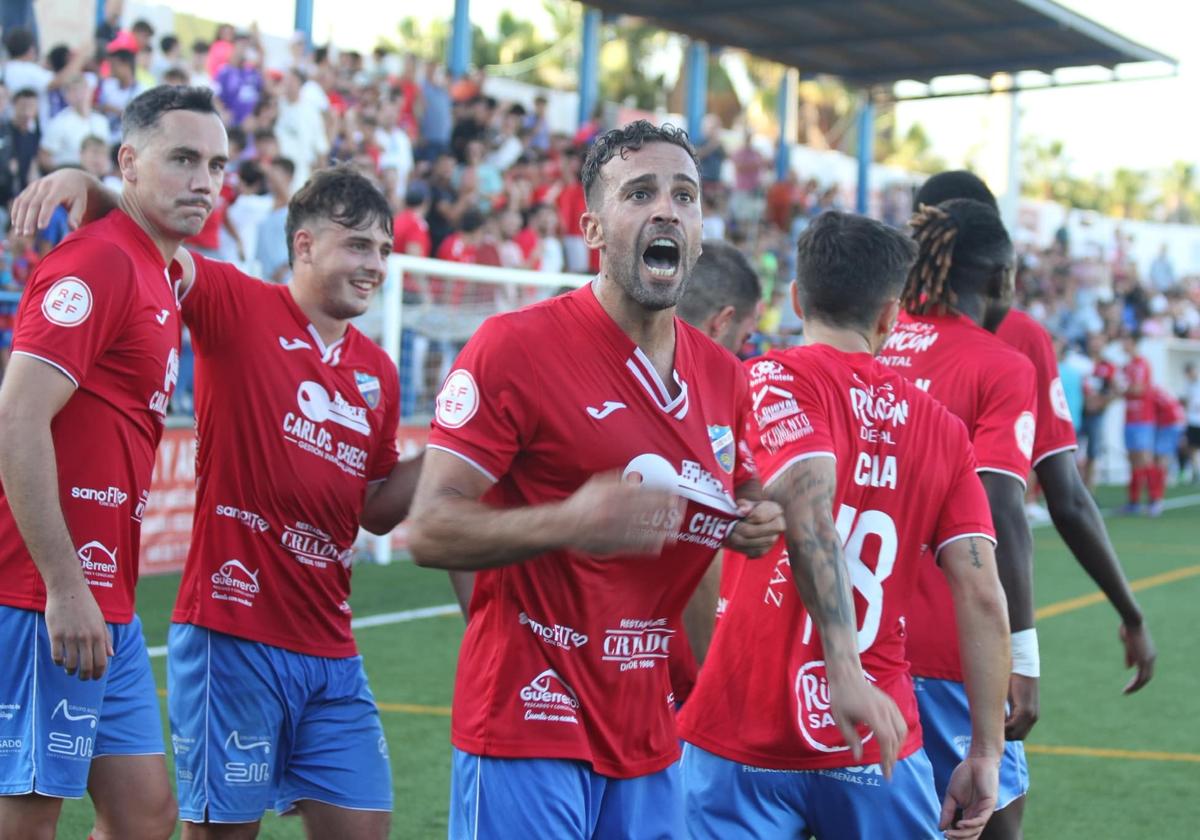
(101, 309)
(566, 655)
(290, 431)
(410, 228)
(1055, 428)
(992, 388)
(572, 204)
(1137, 378)
(906, 487)
(1101, 379)
(1168, 411)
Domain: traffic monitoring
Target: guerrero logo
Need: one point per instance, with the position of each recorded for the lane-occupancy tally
(98, 563)
(234, 582)
(548, 698)
(458, 400)
(68, 302)
(813, 716)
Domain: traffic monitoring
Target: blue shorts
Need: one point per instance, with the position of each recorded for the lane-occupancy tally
(256, 727)
(52, 725)
(724, 799)
(1139, 437)
(1166, 440)
(500, 798)
(946, 725)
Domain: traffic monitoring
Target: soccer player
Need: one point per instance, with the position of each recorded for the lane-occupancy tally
(96, 356)
(1072, 508)
(959, 291)
(1169, 420)
(296, 416)
(1135, 383)
(877, 480)
(559, 442)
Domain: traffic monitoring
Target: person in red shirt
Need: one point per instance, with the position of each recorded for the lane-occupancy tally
(96, 357)
(1135, 384)
(1072, 508)
(585, 457)
(1169, 421)
(843, 443)
(410, 229)
(958, 293)
(1099, 390)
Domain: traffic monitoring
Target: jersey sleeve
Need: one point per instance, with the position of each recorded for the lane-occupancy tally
(387, 451)
(788, 424)
(965, 511)
(1055, 428)
(488, 406)
(76, 304)
(215, 302)
(1006, 423)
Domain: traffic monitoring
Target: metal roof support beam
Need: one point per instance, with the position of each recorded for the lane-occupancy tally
(719, 7)
(871, 39)
(589, 65)
(1005, 64)
(697, 90)
(866, 153)
(460, 39)
(786, 112)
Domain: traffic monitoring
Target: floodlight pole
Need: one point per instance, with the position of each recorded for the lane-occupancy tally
(785, 111)
(589, 65)
(866, 152)
(697, 90)
(460, 39)
(304, 20)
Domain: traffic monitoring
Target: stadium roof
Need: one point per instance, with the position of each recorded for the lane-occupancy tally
(879, 42)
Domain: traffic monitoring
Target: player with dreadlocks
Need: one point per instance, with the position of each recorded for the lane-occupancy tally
(958, 292)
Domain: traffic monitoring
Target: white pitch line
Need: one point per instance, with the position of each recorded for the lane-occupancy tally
(368, 621)
(1168, 504)
(453, 609)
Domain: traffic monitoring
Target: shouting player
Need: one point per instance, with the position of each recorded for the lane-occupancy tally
(1071, 506)
(96, 356)
(876, 480)
(958, 291)
(560, 440)
(296, 415)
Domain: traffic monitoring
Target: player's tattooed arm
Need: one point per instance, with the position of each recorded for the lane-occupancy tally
(85, 198)
(805, 491)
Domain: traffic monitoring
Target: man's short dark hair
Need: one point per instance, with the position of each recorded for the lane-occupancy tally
(175, 76)
(18, 41)
(849, 266)
(721, 277)
(142, 26)
(168, 43)
(341, 195)
(123, 57)
(471, 220)
(285, 165)
(200, 46)
(956, 183)
(58, 57)
(628, 138)
(251, 174)
(146, 109)
(25, 93)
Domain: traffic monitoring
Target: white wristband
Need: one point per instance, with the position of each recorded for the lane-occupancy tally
(1025, 659)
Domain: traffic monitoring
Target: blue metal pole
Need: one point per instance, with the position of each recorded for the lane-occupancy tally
(697, 90)
(783, 151)
(304, 19)
(589, 65)
(460, 40)
(866, 153)
(100, 4)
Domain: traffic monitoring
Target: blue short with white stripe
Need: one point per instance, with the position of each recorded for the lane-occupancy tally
(517, 798)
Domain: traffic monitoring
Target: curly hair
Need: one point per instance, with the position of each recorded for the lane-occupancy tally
(339, 194)
(959, 242)
(628, 138)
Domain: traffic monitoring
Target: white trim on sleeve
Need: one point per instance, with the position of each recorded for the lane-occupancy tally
(1003, 472)
(474, 464)
(54, 365)
(1046, 455)
(796, 460)
(957, 537)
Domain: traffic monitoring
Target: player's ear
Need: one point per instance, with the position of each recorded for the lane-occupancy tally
(887, 319)
(593, 231)
(720, 322)
(795, 290)
(126, 162)
(302, 243)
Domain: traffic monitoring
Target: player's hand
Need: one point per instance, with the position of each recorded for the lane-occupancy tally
(973, 791)
(1140, 653)
(79, 639)
(609, 516)
(759, 528)
(1023, 707)
(32, 209)
(855, 702)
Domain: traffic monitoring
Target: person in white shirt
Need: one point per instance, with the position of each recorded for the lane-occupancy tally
(23, 71)
(247, 212)
(63, 137)
(299, 127)
(119, 89)
(199, 66)
(395, 147)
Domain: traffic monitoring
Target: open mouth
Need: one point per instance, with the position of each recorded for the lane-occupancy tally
(662, 257)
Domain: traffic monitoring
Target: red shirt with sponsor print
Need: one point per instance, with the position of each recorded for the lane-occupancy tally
(1055, 428)
(992, 388)
(566, 655)
(290, 432)
(1139, 404)
(101, 309)
(1168, 411)
(906, 487)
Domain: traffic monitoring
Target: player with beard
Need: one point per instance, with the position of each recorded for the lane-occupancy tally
(585, 458)
(296, 415)
(96, 356)
(957, 294)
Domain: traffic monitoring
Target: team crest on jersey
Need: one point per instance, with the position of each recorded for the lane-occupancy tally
(721, 438)
(368, 386)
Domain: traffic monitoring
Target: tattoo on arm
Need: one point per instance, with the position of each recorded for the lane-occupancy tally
(975, 561)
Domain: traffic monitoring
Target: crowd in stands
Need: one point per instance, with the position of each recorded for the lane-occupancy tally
(471, 179)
